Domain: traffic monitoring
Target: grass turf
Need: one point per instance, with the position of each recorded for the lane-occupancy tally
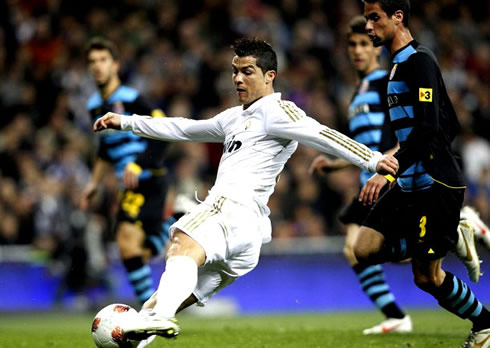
(431, 329)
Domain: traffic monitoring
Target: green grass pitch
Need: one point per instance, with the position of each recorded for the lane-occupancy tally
(337, 330)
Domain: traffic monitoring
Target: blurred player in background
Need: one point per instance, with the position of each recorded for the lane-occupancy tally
(220, 240)
(369, 124)
(139, 166)
(422, 210)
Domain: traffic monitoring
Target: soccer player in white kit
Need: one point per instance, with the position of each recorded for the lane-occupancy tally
(220, 239)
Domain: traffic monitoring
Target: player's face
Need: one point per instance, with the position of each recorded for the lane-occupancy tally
(102, 66)
(379, 26)
(363, 55)
(249, 80)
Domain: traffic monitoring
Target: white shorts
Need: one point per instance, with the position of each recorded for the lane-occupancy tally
(230, 234)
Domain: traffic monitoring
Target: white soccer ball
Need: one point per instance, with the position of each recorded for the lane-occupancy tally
(106, 327)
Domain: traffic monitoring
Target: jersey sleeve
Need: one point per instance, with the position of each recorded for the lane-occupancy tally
(175, 128)
(424, 87)
(290, 122)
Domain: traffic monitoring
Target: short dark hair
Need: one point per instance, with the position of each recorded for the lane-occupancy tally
(391, 6)
(261, 50)
(357, 25)
(100, 43)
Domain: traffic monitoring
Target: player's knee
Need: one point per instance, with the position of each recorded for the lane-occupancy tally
(426, 282)
(361, 252)
(368, 245)
(349, 254)
(129, 241)
(182, 244)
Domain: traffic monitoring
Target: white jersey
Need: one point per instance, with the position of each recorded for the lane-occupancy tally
(258, 141)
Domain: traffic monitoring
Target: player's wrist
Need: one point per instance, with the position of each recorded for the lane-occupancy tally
(374, 161)
(125, 123)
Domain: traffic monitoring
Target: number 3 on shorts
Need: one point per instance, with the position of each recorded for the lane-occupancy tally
(132, 203)
(423, 222)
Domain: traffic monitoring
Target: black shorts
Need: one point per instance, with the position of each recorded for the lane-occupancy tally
(144, 205)
(356, 212)
(427, 220)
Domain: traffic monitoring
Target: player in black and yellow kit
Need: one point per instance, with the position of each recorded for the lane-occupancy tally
(369, 124)
(423, 207)
(139, 165)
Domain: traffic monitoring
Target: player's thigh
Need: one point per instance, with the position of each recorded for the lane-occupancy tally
(223, 228)
(216, 276)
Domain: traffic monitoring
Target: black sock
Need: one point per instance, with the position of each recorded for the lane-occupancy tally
(373, 283)
(139, 275)
(456, 297)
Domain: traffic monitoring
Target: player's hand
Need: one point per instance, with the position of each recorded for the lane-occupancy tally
(388, 164)
(88, 195)
(131, 175)
(370, 191)
(109, 120)
(320, 165)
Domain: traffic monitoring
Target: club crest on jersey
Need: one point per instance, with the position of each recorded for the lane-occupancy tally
(392, 73)
(364, 87)
(118, 107)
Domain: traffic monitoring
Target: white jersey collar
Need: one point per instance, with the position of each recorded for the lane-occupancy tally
(257, 104)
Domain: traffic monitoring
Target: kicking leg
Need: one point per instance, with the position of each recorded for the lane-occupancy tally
(176, 286)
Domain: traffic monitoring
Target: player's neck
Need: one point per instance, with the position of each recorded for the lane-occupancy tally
(109, 88)
(363, 74)
(269, 91)
(401, 39)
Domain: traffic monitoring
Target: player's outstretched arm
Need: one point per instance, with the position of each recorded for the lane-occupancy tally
(109, 120)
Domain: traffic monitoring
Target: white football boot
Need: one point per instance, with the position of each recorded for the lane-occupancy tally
(147, 324)
(478, 339)
(402, 325)
(482, 231)
(466, 250)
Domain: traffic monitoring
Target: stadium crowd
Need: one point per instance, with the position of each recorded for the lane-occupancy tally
(177, 54)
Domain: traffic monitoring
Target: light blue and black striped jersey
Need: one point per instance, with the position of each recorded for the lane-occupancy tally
(369, 122)
(121, 148)
(423, 119)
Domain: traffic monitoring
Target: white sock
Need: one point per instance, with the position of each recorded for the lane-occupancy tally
(176, 285)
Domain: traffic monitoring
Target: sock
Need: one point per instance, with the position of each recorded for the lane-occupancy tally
(456, 297)
(373, 283)
(139, 276)
(176, 285)
(156, 242)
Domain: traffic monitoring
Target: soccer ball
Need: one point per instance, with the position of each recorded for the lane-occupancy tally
(106, 327)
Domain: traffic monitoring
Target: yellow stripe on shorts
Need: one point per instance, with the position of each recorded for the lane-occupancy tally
(196, 221)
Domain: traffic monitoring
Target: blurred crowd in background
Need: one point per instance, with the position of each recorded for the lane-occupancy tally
(177, 53)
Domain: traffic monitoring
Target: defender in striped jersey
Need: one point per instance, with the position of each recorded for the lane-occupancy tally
(369, 124)
(220, 239)
(139, 165)
(423, 207)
